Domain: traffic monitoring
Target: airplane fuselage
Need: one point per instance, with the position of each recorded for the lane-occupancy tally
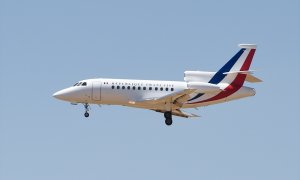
(129, 92)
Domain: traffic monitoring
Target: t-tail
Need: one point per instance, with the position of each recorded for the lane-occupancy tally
(228, 80)
(236, 70)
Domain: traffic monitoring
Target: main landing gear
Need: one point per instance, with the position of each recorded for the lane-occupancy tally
(87, 108)
(168, 116)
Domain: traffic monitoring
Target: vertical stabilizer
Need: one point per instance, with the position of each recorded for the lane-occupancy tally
(241, 61)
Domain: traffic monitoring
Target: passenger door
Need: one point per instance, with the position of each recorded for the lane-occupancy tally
(96, 91)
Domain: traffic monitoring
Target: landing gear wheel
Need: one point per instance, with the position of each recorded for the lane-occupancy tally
(168, 114)
(168, 121)
(87, 108)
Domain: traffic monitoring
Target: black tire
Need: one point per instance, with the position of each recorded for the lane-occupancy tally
(168, 114)
(86, 114)
(168, 121)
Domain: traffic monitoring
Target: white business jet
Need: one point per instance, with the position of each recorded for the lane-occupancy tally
(199, 88)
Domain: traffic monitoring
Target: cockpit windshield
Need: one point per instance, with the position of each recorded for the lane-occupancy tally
(80, 84)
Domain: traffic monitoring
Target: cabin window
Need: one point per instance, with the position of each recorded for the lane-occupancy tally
(128, 87)
(172, 89)
(123, 87)
(113, 87)
(118, 87)
(133, 87)
(161, 89)
(139, 88)
(167, 89)
(144, 88)
(156, 88)
(150, 88)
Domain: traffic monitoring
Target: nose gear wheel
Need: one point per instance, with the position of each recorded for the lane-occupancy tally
(87, 108)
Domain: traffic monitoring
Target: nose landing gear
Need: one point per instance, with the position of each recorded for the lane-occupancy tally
(87, 108)
(168, 116)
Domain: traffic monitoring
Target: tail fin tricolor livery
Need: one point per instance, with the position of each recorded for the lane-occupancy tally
(231, 77)
(238, 64)
(234, 71)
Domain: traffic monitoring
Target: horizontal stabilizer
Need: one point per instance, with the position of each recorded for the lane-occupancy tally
(252, 79)
(249, 77)
(241, 72)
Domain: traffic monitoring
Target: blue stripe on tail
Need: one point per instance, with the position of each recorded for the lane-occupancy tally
(219, 76)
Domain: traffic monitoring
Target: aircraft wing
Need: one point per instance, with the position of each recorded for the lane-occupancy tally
(180, 113)
(177, 98)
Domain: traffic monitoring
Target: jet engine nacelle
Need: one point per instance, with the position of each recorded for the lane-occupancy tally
(203, 87)
(199, 76)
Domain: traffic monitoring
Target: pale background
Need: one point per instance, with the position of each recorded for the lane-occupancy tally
(49, 45)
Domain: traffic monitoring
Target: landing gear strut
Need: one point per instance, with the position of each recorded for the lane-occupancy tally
(168, 116)
(87, 108)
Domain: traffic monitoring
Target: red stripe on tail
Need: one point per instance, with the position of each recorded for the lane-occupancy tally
(236, 84)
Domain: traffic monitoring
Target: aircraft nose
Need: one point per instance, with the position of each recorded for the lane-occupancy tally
(59, 95)
(64, 94)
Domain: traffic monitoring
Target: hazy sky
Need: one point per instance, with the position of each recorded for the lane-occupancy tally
(49, 45)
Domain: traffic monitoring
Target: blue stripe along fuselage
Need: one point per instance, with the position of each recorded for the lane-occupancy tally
(197, 96)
